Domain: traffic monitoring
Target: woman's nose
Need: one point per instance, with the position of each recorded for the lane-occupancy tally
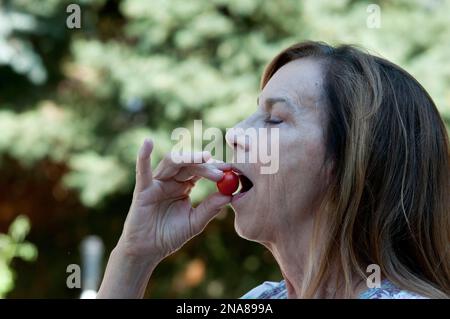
(238, 139)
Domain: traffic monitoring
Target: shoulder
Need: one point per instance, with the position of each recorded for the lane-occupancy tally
(268, 290)
(388, 290)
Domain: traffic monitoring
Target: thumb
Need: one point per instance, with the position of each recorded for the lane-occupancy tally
(143, 165)
(207, 210)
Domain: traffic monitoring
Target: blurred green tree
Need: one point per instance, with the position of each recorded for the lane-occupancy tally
(13, 245)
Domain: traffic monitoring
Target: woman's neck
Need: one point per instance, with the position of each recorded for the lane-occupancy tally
(290, 249)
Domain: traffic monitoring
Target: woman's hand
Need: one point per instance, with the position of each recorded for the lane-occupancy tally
(161, 218)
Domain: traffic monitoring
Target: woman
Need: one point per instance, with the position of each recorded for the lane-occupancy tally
(363, 180)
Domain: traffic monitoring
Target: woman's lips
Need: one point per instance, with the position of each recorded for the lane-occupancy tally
(246, 185)
(245, 181)
(237, 197)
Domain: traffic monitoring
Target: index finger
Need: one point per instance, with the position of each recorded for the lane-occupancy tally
(219, 165)
(173, 162)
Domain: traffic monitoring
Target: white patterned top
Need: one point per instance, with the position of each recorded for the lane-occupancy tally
(277, 290)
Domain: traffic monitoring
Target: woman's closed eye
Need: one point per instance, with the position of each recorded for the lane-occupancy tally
(272, 120)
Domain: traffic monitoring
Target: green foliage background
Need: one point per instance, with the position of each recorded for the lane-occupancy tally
(76, 104)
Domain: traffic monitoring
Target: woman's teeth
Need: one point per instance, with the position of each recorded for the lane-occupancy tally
(246, 183)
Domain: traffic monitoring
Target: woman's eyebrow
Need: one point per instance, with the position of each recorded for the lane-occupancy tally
(269, 102)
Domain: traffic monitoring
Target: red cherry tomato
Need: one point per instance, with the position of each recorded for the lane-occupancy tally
(229, 183)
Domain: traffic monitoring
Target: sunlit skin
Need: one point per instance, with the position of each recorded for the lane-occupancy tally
(284, 201)
(278, 211)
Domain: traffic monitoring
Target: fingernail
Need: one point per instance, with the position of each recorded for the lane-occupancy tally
(146, 142)
(206, 155)
(218, 172)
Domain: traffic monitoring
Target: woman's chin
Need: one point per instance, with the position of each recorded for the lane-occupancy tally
(242, 209)
(243, 232)
(246, 226)
(248, 219)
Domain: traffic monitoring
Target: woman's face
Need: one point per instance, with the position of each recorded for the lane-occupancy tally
(283, 200)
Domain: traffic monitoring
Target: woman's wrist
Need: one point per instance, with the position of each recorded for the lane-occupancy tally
(126, 275)
(134, 259)
(130, 262)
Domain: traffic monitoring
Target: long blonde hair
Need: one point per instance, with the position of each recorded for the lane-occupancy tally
(388, 201)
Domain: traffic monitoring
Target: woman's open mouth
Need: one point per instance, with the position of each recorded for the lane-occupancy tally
(246, 185)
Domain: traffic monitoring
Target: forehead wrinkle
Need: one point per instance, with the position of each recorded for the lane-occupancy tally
(302, 93)
(309, 97)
